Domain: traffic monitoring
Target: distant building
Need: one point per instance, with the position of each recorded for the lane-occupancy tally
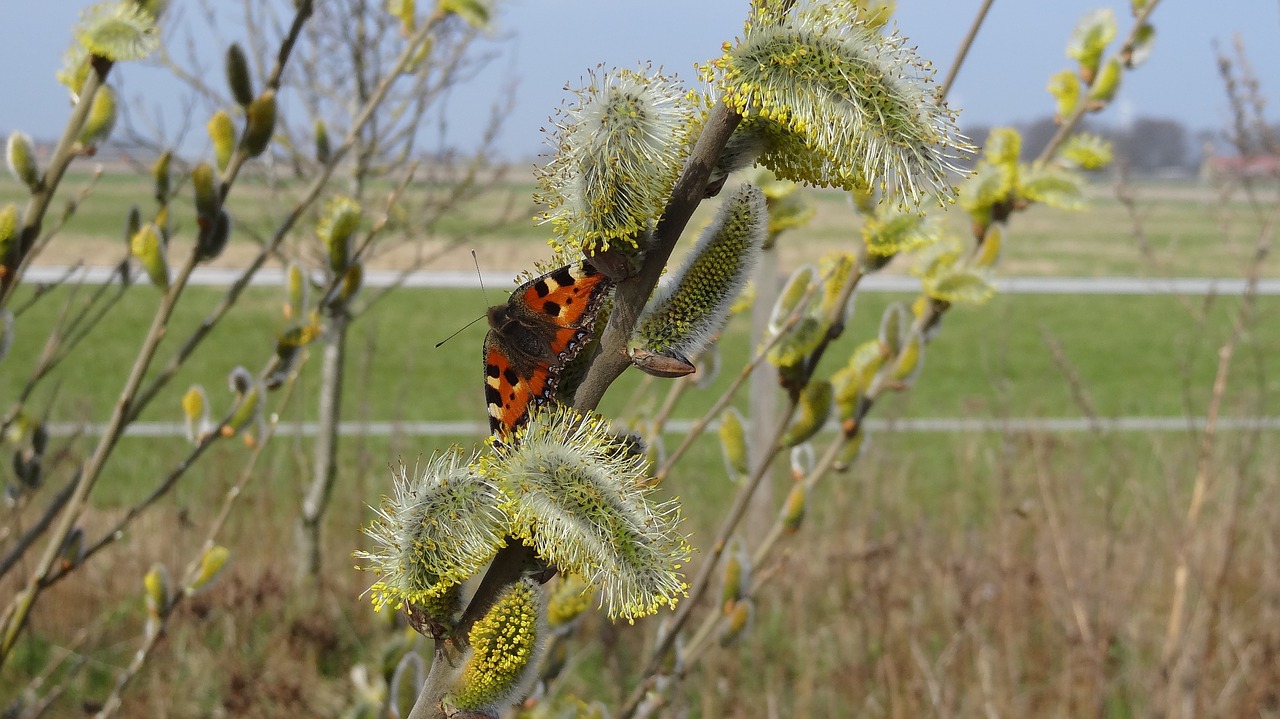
(1223, 167)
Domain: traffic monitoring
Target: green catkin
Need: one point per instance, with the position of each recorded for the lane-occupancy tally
(693, 306)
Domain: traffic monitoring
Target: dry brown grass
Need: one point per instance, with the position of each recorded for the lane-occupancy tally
(1035, 580)
(1053, 604)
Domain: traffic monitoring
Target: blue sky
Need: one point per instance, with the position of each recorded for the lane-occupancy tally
(556, 41)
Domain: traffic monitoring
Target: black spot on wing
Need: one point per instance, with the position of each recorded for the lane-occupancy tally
(491, 370)
(492, 395)
(551, 308)
(512, 378)
(542, 288)
(562, 276)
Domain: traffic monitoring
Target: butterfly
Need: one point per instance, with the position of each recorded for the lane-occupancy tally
(544, 324)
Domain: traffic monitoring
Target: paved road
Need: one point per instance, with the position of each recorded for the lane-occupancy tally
(218, 277)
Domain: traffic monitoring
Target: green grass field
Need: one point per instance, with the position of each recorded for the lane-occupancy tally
(1175, 229)
(1136, 355)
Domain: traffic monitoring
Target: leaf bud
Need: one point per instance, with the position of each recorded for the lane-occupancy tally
(160, 173)
(20, 154)
(195, 408)
(8, 233)
(102, 118)
(1106, 83)
(908, 362)
(147, 246)
(212, 562)
(735, 574)
(849, 452)
(1065, 88)
(733, 443)
(352, 282)
(223, 134)
(736, 621)
(158, 588)
(202, 182)
(213, 236)
(260, 123)
(796, 288)
(72, 551)
(323, 151)
(811, 415)
(238, 75)
(474, 12)
(793, 509)
(295, 302)
(337, 224)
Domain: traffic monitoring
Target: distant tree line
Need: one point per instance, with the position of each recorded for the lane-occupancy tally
(1147, 146)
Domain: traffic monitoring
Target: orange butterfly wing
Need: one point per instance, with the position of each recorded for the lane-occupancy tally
(544, 325)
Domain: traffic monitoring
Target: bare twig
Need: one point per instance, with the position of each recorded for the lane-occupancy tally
(945, 88)
(63, 154)
(1070, 123)
(112, 704)
(700, 584)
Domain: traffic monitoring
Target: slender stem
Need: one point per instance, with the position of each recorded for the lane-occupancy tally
(702, 582)
(704, 421)
(63, 154)
(1069, 125)
(963, 51)
(776, 532)
(835, 327)
(116, 532)
(112, 703)
(659, 420)
(63, 339)
(15, 617)
(1204, 461)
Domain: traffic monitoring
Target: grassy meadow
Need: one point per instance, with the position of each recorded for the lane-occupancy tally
(997, 574)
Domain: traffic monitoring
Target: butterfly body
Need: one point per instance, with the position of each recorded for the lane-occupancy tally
(544, 324)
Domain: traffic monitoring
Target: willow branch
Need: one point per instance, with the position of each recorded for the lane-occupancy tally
(963, 51)
(632, 294)
(1069, 125)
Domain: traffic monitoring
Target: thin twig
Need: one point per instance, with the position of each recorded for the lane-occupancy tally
(1201, 485)
(963, 51)
(703, 422)
(700, 584)
(64, 152)
(18, 610)
(1069, 124)
(112, 704)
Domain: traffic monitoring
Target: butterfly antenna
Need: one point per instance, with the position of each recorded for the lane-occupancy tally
(480, 277)
(459, 331)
